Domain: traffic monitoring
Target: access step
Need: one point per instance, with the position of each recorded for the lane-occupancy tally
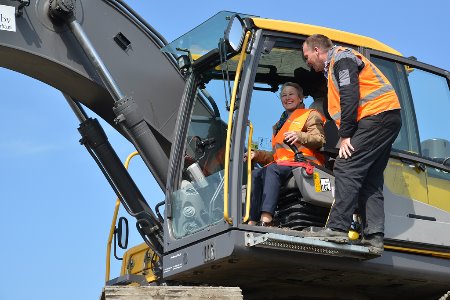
(327, 246)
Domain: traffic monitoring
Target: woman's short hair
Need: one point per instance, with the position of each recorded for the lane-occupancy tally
(294, 85)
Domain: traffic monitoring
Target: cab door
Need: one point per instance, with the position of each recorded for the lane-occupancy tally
(417, 179)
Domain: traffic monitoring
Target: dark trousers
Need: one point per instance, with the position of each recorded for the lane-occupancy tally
(266, 183)
(359, 179)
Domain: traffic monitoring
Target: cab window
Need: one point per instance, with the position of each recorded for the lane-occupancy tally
(198, 202)
(408, 138)
(425, 101)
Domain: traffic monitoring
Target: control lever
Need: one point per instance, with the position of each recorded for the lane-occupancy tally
(207, 143)
(298, 156)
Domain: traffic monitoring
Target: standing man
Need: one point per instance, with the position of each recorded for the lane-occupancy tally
(365, 107)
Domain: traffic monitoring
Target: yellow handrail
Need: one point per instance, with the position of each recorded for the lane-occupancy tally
(113, 223)
(230, 121)
(249, 172)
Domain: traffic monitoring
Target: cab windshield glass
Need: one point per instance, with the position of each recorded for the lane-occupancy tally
(202, 38)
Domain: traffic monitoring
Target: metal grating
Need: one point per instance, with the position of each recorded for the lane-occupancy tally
(307, 245)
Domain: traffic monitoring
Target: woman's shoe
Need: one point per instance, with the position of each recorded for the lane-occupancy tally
(266, 224)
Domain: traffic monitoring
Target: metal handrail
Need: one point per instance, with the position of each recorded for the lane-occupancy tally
(229, 128)
(113, 223)
(249, 172)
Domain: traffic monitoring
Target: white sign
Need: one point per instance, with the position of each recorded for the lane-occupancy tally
(7, 18)
(325, 184)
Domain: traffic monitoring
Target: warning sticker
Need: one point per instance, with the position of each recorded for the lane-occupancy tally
(325, 184)
(7, 18)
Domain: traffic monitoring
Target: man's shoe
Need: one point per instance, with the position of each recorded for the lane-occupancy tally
(375, 242)
(326, 232)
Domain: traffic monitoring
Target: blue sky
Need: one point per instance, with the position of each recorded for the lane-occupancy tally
(56, 206)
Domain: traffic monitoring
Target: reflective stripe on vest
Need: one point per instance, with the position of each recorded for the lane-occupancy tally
(373, 85)
(295, 122)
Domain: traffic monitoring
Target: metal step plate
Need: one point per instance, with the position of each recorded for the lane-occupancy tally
(308, 245)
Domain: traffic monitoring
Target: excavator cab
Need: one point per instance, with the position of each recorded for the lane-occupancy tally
(223, 80)
(227, 90)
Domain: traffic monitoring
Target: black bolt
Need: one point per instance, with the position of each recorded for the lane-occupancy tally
(61, 9)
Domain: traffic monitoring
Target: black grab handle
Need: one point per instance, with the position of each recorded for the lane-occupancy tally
(298, 156)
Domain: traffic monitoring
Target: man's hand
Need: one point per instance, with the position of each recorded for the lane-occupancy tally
(291, 137)
(345, 151)
(252, 155)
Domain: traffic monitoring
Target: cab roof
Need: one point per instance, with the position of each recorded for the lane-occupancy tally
(333, 34)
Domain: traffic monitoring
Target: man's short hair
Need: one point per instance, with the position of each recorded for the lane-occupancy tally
(320, 41)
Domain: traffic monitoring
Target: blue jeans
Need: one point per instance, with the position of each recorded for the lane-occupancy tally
(266, 183)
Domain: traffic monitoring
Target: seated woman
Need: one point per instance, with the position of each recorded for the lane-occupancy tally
(297, 125)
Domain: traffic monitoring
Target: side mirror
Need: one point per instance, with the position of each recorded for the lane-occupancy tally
(122, 233)
(234, 34)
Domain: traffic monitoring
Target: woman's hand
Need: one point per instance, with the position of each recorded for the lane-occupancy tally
(252, 155)
(291, 137)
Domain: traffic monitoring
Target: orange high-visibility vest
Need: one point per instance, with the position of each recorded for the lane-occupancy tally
(295, 122)
(375, 91)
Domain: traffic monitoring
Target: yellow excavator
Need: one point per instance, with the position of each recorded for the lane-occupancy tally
(194, 107)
